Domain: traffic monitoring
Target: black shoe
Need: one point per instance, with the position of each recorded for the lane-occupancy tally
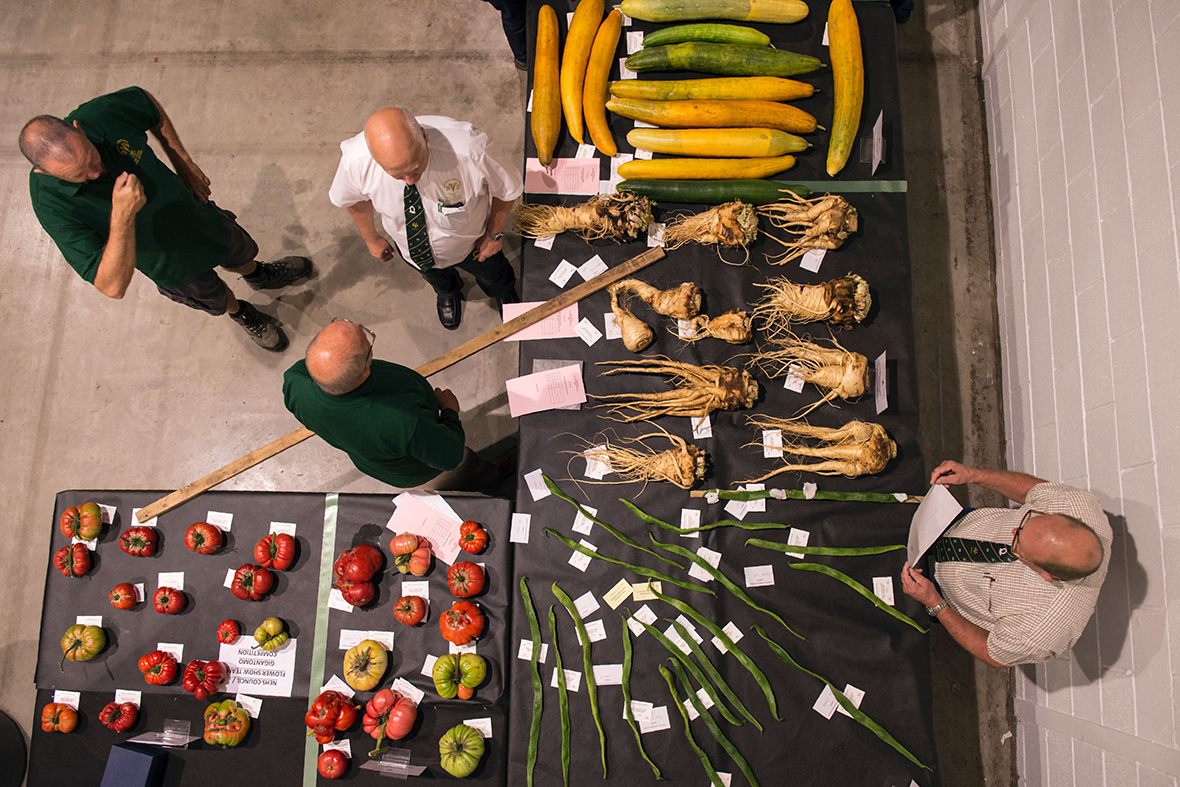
(280, 273)
(450, 310)
(512, 297)
(902, 18)
(263, 328)
(521, 65)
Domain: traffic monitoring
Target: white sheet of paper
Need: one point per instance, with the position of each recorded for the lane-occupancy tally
(135, 516)
(223, 520)
(586, 604)
(139, 591)
(809, 490)
(690, 628)
(417, 587)
(644, 124)
(878, 142)
(336, 601)
(798, 538)
(536, 485)
(432, 499)
(335, 683)
(634, 41)
(825, 41)
(520, 528)
(772, 443)
(534, 393)
(596, 631)
(794, 381)
(341, 745)
(825, 704)
(468, 648)
(107, 515)
(733, 632)
(685, 330)
(737, 509)
(615, 162)
(610, 326)
(592, 267)
(269, 673)
(283, 527)
(580, 560)
(253, 705)
(71, 698)
(89, 620)
(644, 615)
(658, 720)
(711, 557)
(690, 519)
(483, 725)
(675, 638)
(618, 594)
(428, 665)
(128, 695)
(584, 151)
(934, 515)
(441, 530)
(655, 230)
(584, 524)
(644, 591)
(624, 72)
(545, 242)
(812, 259)
(608, 674)
(702, 427)
(91, 545)
(854, 695)
(597, 463)
(759, 576)
(529, 106)
(883, 589)
(756, 506)
(640, 711)
(561, 325)
(588, 332)
(573, 679)
(881, 384)
(351, 637)
(170, 579)
(407, 689)
(563, 176)
(643, 154)
(526, 651)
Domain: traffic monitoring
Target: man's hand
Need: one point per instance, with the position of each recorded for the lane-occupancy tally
(447, 399)
(487, 247)
(918, 587)
(952, 472)
(380, 248)
(193, 177)
(127, 198)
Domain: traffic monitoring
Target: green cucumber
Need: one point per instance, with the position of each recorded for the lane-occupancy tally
(717, 34)
(725, 59)
(713, 192)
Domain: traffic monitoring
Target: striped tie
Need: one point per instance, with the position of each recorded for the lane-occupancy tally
(968, 550)
(417, 237)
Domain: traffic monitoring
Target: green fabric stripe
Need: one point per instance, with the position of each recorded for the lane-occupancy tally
(311, 749)
(851, 186)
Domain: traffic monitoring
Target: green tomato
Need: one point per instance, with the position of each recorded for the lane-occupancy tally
(459, 675)
(461, 748)
(271, 635)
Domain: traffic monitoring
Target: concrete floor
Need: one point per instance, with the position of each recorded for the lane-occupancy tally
(145, 394)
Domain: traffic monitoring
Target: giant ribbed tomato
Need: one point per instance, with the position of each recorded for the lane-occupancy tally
(411, 553)
(352, 571)
(226, 723)
(81, 643)
(365, 664)
(388, 715)
(409, 610)
(276, 551)
(168, 601)
(332, 764)
(138, 541)
(251, 582)
(329, 712)
(203, 538)
(58, 717)
(228, 632)
(119, 717)
(72, 560)
(158, 667)
(203, 677)
(460, 749)
(461, 623)
(472, 537)
(84, 521)
(122, 596)
(465, 579)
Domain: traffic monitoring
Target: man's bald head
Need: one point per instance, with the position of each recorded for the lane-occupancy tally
(397, 143)
(338, 357)
(1061, 545)
(46, 139)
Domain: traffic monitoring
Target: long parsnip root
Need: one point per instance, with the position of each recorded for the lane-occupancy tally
(637, 334)
(699, 390)
(834, 370)
(620, 217)
(844, 302)
(733, 327)
(732, 224)
(855, 449)
(633, 460)
(681, 303)
(818, 223)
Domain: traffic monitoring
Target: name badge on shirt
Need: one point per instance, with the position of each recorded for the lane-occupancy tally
(448, 210)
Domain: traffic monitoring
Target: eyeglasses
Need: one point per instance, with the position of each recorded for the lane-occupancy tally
(1016, 536)
(368, 332)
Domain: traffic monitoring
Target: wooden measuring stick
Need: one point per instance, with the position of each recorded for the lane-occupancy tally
(531, 317)
(697, 493)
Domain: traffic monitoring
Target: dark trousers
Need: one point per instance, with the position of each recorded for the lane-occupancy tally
(494, 276)
(512, 17)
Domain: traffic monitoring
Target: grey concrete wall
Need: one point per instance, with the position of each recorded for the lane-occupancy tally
(1084, 126)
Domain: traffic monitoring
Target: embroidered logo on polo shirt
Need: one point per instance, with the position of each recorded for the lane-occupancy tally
(453, 191)
(124, 147)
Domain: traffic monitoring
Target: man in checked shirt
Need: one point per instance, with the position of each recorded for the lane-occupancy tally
(1016, 585)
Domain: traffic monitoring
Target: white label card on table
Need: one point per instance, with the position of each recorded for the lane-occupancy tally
(107, 515)
(336, 684)
(712, 558)
(135, 519)
(483, 726)
(759, 576)
(643, 615)
(626, 19)
(586, 604)
(585, 151)
(573, 679)
(690, 519)
(878, 142)
(674, 637)
(686, 330)
(608, 674)
(798, 538)
(690, 628)
(520, 528)
(270, 673)
(562, 273)
(618, 594)
(812, 259)
(733, 632)
(384, 637)
(634, 41)
(128, 695)
(223, 520)
(644, 124)
(229, 580)
(702, 427)
(772, 443)
(170, 579)
(89, 620)
(756, 506)
(705, 700)
(883, 589)
(416, 587)
(582, 523)
(825, 41)
(341, 745)
(71, 698)
(588, 332)
(809, 490)
(726, 778)
(690, 709)
(597, 464)
(615, 178)
(596, 630)
(658, 720)
(881, 384)
(468, 648)
(592, 267)
(253, 705)
(428, 665)
(529, 106)
(174, 649)
(624, 72)
(640, 711)
(536, 485)
(139, 590)
(737, 509)
(853, 695)
(91, 545)
(580, 560)
(547, 244)
(610, 326)
(794, 381)
(407, 689)
(526, 651)
(825, 704)
(655, 231)
(640, 153)
(283, 527)
(643, 591)
(336, 601)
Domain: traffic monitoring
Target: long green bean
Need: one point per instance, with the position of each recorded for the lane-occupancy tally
(738, 653)
(640, 570)
(628, 656)
(709, 769)
(725, 581)
(713, 674)
(626, 539)
(778, 546)
(693, 668)
(563, 701)
(538, 685)
(587, 666)
(715, 730)
(845, 703)
(684, 531)
(819, 568)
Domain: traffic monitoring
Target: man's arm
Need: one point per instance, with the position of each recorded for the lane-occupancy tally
(1014, 486)
(189, 172)
(363, 215)
(117, 265)
(496, 221)
(971, 637)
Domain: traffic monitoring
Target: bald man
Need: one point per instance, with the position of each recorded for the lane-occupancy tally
(387, 418)
(112, 207)
(1018, 585)
(440, 194)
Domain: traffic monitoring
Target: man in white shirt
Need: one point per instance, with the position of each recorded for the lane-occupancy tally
(441, 196)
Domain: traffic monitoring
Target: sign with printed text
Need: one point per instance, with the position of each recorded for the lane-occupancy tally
(259, 672)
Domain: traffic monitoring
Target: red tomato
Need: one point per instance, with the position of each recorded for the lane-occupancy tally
(465, 579)
(202, 678)
(123, 596)
(332, 764)
(389, 715)
(58, 717)
(409, 610)
(461, 623)
(72, 560)
(138, 541)
(203, 538)
(472, 537)
(228, 632)
(276, 551)
(118, 717)
(158, 667)
(251, 582)
(84, 521)
(359, 594)
(169, 601)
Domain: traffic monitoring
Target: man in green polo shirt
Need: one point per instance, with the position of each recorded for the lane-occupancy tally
(392, 424)
(112, 207)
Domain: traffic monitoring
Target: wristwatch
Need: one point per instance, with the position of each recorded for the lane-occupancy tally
(497, 237)
(939, 607)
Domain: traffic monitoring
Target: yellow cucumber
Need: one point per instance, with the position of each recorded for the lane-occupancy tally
(546, 117)
(602, 57)
(578, 42)
(719, 89)
(848, 73)
(705, 168)
(717, 142)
